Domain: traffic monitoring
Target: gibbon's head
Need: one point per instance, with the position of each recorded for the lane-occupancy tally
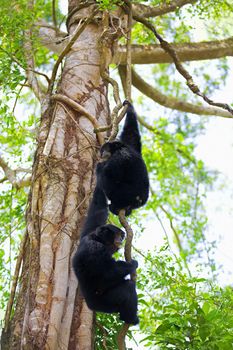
(109, 148)
(111, 236)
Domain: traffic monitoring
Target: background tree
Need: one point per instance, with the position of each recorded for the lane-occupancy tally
(55, 77)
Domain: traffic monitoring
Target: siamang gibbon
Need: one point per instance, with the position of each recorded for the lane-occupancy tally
(102, 278)
(122, 173)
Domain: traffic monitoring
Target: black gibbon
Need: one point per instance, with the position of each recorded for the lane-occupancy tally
(102, 278)
(122, 173)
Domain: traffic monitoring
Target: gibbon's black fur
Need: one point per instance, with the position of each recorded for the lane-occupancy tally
(101, 277)
(122, 173)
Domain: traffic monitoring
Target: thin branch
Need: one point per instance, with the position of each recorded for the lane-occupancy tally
(121, 336)
(160, 135)
(6, 169)
(128, 257)
(14, 282)
(140, 253)
(14, 59)
(103, 128)
(10, 175)
(167, 238)
(29, 56)
(23, 182)
(23, 170)
(18, 96)
(77, 107)
(77, 33)
(162, 9)
(3, 179)
(52, 38)
(128, 51)
(129, 232)
(177, 238)
(147, 125)
(178, 241)
(104, 332)
(54, 14)
(189, 79)
(172, 102)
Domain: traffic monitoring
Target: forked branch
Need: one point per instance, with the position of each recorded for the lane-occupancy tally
(161, 9)
(10, 175)
(170, 101)
(189, 79)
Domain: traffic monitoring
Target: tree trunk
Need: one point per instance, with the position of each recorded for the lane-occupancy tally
(49, 314)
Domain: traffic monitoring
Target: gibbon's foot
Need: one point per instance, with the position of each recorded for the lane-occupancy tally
(128, 321)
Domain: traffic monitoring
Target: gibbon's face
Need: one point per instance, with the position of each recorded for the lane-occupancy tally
(109, 148)
(111, 236)
(118, 239)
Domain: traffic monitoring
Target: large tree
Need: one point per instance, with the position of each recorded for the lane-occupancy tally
(66, 75)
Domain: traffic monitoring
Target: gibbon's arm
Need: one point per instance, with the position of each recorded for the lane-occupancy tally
(116, 271)
(97, 213)
(130, 134)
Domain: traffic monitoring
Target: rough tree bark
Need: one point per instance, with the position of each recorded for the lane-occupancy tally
(49, 313)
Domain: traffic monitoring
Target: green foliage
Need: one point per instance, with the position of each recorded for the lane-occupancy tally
(180, 312)
(106, 330)
(16, 20)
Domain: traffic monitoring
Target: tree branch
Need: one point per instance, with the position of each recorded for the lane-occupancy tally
(172, 102)
(149, 54)
(128, 53)
(104, 333)
(10, 175)
(54, 14)
(29, 56)
(180, 68)
(51, 37)
(146, 54)
(150, 127)
(121, 336)
(153, 11)
(128, 257)
(177, 238)
(14, 282)
(14, 59)
(129, 232)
